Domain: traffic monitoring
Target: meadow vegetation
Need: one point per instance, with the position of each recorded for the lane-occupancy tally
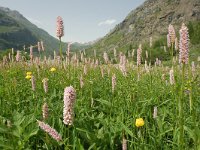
(134, 103)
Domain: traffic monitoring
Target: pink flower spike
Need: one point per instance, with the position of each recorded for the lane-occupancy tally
(51, 131)
(60, 27)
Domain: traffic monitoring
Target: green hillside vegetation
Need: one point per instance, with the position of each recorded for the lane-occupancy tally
(16, 31)
(152, 20)
(157, 50)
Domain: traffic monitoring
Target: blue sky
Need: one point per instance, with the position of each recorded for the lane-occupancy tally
(84, 20)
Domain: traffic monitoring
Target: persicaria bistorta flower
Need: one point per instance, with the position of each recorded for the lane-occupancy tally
(45, 111)
(172, 33)
(184, 45)
(60, 27)
(105, 57)
(39, 46)
(168, 41)
(45, 84)
(51, 131)
(69, 100)
(139, 53)
(171, 74)
(18, 56)
(113, 82)
(42, 45)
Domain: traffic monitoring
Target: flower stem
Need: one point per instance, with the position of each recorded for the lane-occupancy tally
(60, 43)
(172, 53)
(180, 106)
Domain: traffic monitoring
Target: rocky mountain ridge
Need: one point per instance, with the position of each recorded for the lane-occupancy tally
(151, 19)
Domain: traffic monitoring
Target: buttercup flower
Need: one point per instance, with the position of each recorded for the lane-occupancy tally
(29, 73)
(28, 77)
(53, 69)
(139, 122)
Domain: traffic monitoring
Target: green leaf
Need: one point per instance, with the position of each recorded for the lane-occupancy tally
(18, 118)
(103, 102)
(30, 131)
(92, 146)
(127, 130)
(3, 129)
(4, 144)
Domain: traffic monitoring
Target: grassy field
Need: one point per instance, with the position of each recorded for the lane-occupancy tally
(103, 117)
(114, 102)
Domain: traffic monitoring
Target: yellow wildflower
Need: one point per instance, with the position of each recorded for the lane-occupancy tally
(53, 69)
(29, 73)
(139, 122)
(28, 77)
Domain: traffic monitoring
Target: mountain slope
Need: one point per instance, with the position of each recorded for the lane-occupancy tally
(150, 19)
(16, 31)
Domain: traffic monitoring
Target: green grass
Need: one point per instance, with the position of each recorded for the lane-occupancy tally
(102, 118)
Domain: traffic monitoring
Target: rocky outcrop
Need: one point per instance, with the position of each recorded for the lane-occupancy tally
(151, 19)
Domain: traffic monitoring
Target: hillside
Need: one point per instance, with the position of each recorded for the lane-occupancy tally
(16, 31)
(152, 19)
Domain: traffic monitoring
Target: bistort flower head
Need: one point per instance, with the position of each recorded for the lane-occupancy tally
(60, 27)
(139, 55)
(51, 131)
(113, 82)
(45, 84)
(172, 33)
(171, 75)
(39, 46)
(42, 45)
(69, 100)
(184, 45)
(45, 111)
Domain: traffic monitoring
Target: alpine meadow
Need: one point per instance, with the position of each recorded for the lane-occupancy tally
(136, 88)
